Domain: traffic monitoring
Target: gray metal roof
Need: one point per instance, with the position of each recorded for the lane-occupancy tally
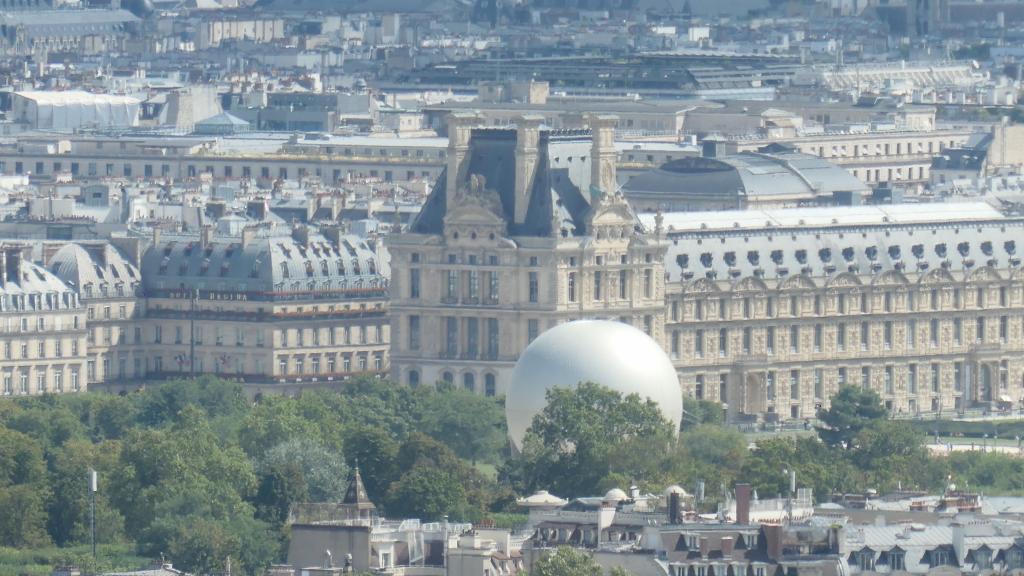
(97, 270)
(268, 264)
(874, 241)
(746, 174)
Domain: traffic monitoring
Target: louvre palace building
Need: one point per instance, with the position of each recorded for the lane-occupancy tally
(768, 311)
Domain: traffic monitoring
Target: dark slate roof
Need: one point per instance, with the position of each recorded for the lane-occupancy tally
(270, 264)
(560, 187)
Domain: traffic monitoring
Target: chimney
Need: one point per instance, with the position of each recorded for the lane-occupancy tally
(773, 540)
(527, 144)
(300, 234)
(248, 236)
(728, 544)
(12, 264)
(605, 517)
(743, 492)
(205, 235)
(602, 153)
(673, 508)
(705, 546)
(460, 128)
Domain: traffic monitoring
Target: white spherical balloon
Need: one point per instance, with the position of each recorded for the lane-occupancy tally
(612, 354)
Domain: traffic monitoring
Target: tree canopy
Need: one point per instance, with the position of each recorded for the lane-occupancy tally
(852, 409)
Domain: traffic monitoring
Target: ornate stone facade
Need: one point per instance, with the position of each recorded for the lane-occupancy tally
(526, 232)
(926, 309)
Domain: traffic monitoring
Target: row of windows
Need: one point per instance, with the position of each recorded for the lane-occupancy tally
(18, 382)
(294, 338)
(22, 350)
(126, 170)
(796, 337)
(40, 324)
(313, 365)
(801, 382)
(729, 308)
(469, 381)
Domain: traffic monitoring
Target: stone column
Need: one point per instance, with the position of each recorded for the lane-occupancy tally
(602, 153)
(460, 127)
(527, 141)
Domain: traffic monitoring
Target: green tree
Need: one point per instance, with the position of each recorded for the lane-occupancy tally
(568, 448)
(427, 493)
(473, 426)
(68, 521)
(852, 409)
(566, 561)
(698, 411)
(23, 490)
(890, 453)
(375, 452)
(324, 471)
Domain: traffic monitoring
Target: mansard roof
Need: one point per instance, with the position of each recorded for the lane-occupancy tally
(889, 243)
(561, 182)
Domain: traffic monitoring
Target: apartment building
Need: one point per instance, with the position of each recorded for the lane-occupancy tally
(42, 329)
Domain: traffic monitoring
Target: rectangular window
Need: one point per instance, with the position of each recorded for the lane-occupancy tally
(794, 384)
(819, 331)
(648, 283)
(958, 331)
(935, 377)
(534, 287)
(698, 344)
(451, 338)
(889, 384)
(623, 284)
(841, 337)
(979, 333)
(698, 387)
(794, 339)
(746, 340)
(723, 388)
(841, 376)
(769, 341)
(887, 334)
(675, 344)
(912, 378)
(723, 342)
(492, 338)
(865, 335)
(453, 285)
(472, 337)
(571, 287)
(414, 332)
(532, 329)
(414, 283)
(819, 383)
(958, 376)
(911, 334)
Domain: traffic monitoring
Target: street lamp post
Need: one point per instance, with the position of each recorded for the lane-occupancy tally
(92, 509)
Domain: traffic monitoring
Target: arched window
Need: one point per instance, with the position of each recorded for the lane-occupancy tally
(448, 377)
(469, 381)
(490, 387)
(414, 378)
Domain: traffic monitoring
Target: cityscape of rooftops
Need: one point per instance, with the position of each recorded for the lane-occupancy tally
(511, 288)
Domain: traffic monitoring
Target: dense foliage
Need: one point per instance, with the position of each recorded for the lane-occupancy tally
(195, 471)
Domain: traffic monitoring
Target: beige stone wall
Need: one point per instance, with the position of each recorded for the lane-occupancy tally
(565, 274)
(883, 331)
(42, 352)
